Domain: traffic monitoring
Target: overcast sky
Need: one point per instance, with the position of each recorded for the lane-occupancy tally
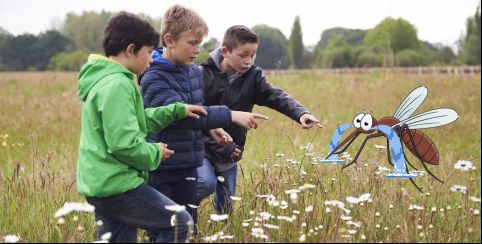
(437, 21)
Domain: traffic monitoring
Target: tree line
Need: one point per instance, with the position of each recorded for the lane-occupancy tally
(393, 42)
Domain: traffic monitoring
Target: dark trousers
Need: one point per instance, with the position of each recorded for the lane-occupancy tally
(142, 207)
(180, 185)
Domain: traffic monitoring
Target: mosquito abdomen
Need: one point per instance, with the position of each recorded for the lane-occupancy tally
(425, 147)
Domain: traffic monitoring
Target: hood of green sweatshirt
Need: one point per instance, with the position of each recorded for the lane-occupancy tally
(94, 70)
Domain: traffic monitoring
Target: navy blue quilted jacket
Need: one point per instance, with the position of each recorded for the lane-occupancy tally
(164, 83)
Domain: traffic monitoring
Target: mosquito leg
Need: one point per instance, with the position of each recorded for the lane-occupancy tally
(349, 143)
(340, 151)
(362, 146)
(399, 131)
(418, 155)
(413, 182)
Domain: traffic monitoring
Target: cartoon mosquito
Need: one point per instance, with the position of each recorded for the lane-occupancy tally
(399, 129)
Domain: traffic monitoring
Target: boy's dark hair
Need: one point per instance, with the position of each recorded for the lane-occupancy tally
(126, 28)
(238, 35)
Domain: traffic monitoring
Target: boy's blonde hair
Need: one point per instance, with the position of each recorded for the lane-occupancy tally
(178, 20)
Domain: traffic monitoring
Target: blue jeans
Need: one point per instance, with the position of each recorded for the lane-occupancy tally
(208, 183)
(142, 207)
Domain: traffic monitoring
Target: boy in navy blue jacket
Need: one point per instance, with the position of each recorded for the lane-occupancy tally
(174, 78)
(231, 79)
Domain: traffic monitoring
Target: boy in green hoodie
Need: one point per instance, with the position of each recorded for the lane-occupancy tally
(114, 157)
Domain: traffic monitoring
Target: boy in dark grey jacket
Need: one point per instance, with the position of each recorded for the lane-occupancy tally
(231, 79)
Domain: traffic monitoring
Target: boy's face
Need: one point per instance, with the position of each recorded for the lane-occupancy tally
(240, 58)
(141, 61)
(186, 48)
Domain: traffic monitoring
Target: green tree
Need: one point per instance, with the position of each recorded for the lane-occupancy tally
(295, 45)
(71, 61)
(337, 54)
(392, 36)
(86, 30)
(272, 49)
(354, 38)
(472, 44)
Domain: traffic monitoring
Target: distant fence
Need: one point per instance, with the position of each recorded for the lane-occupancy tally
(452, 70)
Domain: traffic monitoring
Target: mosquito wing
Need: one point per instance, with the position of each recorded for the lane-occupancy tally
(430, 119)
(411, 103)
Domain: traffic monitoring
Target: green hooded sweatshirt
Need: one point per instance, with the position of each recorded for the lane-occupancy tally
(114, 156)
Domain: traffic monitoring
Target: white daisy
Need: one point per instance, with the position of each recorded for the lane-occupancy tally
(463, 165)
(175, 208)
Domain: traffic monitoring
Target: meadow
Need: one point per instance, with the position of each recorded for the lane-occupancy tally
(283, 193)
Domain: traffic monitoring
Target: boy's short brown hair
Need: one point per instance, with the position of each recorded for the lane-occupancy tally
(178, 20)
(238, 35)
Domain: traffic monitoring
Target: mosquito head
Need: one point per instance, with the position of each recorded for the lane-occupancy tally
(364, 123)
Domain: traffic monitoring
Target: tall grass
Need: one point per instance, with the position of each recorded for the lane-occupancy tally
(39, 133)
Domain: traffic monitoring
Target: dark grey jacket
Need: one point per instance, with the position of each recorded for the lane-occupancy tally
(247, 90)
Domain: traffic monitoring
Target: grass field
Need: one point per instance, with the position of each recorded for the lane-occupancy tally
(39, 134)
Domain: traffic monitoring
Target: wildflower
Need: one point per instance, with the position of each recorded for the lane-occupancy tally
(434, 209)
(175, 208)
(271, 226)
(430, 226)
(99, 223)
(363, 237)
(106, 236)
(381, 170)
(352, 232)
(61, 221)
(390, 206)
(11, 238)
(75, 218)
(265, 215)
(355, 200)
(4, 144)
(380, 146)
(459, 188)
(377, 226)
(328, 210)
(80, 228)
(235, 198)
(344, 217)
(296, 212)
(463, 165)
(377, 214)
(303, 225)
(73, 206)
(289, 219)
(473, 199)
(245, 224)
(385, 228)
(220, 178)
(476, 212)
(355, 224)
(173, 220)
(216, 217)
(415, 207)
(302, 238)
(279, 155)
(309, 209)
(284, 205)
(419, 227)
(338, 204)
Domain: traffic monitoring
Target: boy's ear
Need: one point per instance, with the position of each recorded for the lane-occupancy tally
(224, 52)
(130, 50)
(169, 40)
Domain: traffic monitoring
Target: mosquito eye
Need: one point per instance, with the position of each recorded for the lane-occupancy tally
(357, 120)
(367, 122)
